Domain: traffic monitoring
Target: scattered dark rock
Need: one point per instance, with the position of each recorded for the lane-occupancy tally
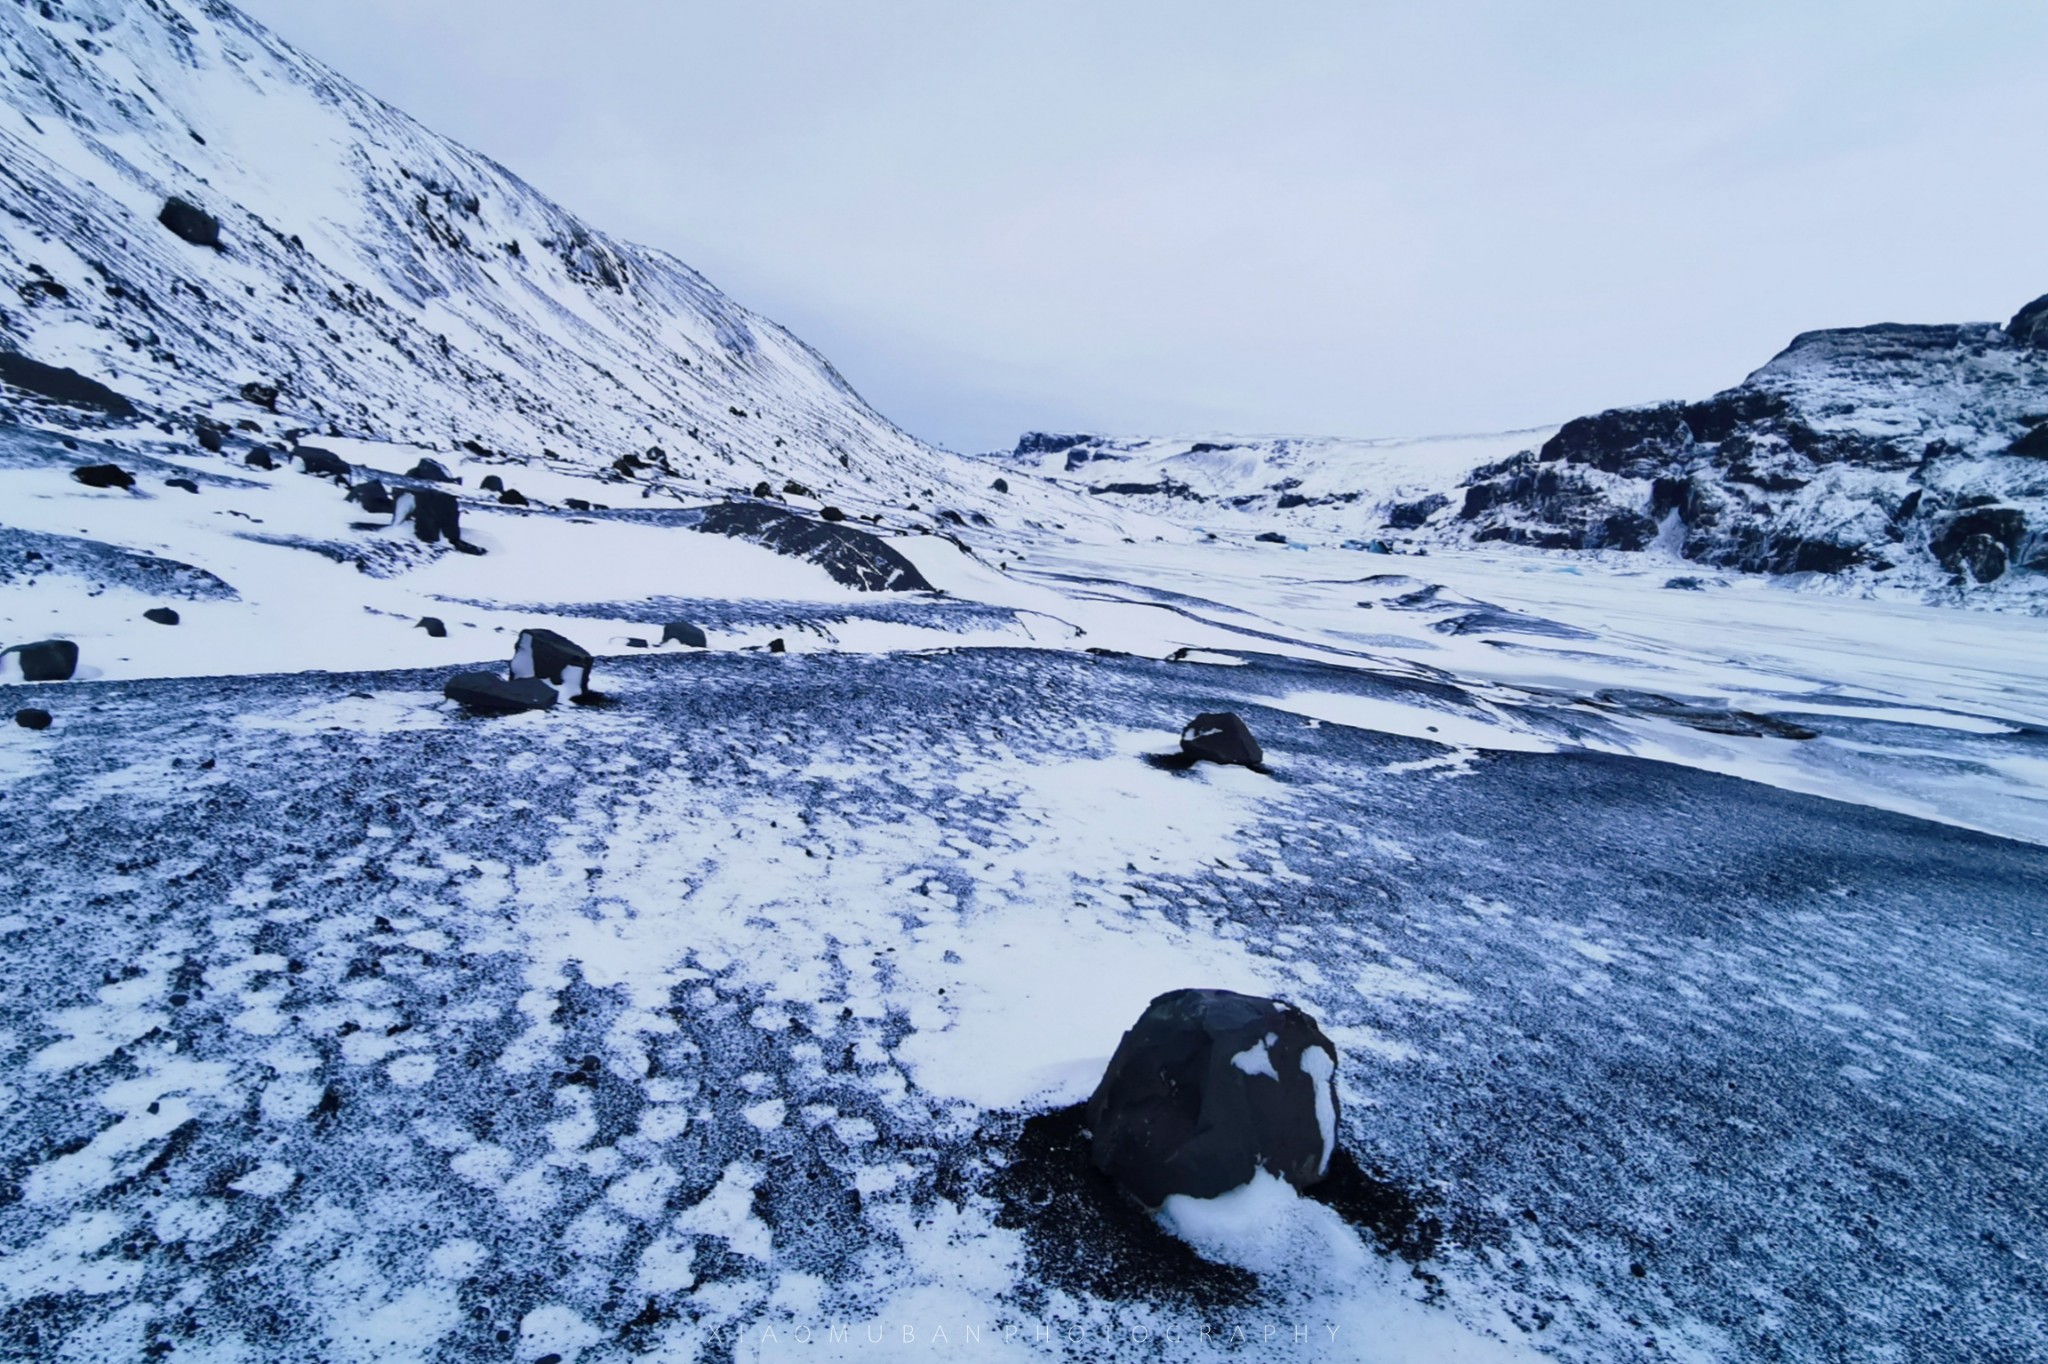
(187, 220)
(792, 488)
(32, 717)
(635, 642)
(210, 434)
(433, 625)
(1271, 537)
(512, 497)
(1221, 737)
(831, 514)
(763, 489)
(430, 471)
(60, 385)
(553, 657)
(162, 615)
(776, 646)
(259, 459)
(1704, 716)
(103, 476)
(575, 504)
(490, 694)
(258, 394)
(682, 632)
(185, 483)
(491, 484)
(1685, 584)
(1001, 485)
(48, 660)
(1208, 1088)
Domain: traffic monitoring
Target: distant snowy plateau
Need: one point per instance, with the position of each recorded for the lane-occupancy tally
(1653, 810)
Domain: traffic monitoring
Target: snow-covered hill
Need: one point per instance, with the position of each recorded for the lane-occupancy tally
(386, 282)
(1914, 456)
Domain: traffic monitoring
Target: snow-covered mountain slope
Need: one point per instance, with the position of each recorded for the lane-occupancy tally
(386, 282)
(1914, 456)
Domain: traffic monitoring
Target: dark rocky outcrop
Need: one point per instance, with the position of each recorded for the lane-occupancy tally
(1048, 443)
(187, 220)
(1221, 737)
(103, 476)
(490, 694)
(1410, 515)
(162, 615)
(46, 660)
(2029, 326)
(1847, 451)
(682, 632)
(60, 385)
(1208, 1088)
(856, 558)
(32, 717)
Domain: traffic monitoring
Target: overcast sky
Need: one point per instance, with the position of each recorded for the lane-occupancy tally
(1346, 218)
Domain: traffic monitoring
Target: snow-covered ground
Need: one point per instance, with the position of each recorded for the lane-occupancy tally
(1679, 930)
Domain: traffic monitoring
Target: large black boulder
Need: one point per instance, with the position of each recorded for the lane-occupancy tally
(103, 476)
(490, 694)
(1208, 1088)
(373, 497)
(1221, 737)
(326, 463)
(430, 471)
(59, 385)
(682, 632)
(555, 657)
(47, 660)
(186, 219)
(32, 717)
(161, 615)
(435, 515)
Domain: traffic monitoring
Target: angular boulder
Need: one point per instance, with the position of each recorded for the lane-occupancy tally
(46, 660)
(1208, 1088)
(682, 632)
(315, 460)
(490, 694)
(435, 515)
(187, 220)
(373, 497)
(103, 476)
(555, 657)
(1221, 737)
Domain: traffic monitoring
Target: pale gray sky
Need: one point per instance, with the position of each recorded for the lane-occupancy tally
(1346, 218)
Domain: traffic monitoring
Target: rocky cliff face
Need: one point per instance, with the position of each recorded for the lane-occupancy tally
(1920, 452)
